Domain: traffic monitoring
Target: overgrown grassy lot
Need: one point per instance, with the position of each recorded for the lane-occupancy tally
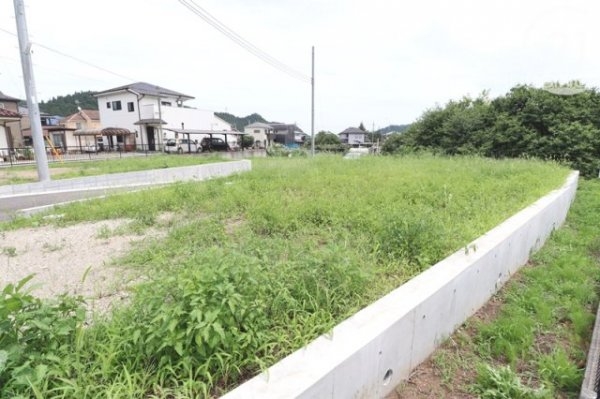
(532, 339)
(66, 170)
(254, 266)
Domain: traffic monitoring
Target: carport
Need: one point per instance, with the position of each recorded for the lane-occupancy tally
(188, 132)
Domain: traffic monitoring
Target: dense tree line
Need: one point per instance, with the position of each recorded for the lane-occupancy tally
(67, 105)
(526, 122)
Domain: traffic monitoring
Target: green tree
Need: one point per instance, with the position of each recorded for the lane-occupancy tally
(326, 138)
(525, 122)
(362, 127)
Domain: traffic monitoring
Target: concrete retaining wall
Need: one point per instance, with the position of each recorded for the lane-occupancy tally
(370, 353)
(130, 179)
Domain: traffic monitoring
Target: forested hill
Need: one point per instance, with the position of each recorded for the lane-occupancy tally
(394, 128)
(67, 105)
(239, 123)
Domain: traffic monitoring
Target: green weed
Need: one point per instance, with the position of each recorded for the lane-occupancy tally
(314, 241)
(504, 383)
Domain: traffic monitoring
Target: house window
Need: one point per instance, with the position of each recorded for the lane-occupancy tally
(78, 125)
(108, 104)
(256, 131)
(1, 105)
(167, 103)
(130, 107)
(116, 105)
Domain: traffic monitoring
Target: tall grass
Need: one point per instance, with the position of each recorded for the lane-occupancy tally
(259, 264)
(534, 343)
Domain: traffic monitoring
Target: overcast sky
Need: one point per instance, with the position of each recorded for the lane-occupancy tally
(379, 62)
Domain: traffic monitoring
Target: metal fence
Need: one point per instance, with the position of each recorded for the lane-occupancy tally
(26, 155)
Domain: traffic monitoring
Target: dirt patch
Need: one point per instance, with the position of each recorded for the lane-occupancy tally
(78, 259)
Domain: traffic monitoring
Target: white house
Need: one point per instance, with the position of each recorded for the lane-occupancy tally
(353, 135)
(153, 114)
(261, 132)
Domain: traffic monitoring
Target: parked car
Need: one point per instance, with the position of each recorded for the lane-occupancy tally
(181, 145)
(90, 148)
(214, 144)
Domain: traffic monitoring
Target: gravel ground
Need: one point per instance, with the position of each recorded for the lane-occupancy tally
(81, 259)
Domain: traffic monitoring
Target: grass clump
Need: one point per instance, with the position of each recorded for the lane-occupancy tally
(271, 259)
(536, 342)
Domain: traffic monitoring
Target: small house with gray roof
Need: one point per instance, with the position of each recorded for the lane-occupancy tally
(353, 135)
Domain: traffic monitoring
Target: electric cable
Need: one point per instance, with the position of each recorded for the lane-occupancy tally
(240, 41)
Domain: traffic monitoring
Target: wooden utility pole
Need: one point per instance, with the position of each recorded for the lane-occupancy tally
(34, 111)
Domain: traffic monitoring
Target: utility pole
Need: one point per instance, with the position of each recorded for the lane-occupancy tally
(312, 112)
(34, 111)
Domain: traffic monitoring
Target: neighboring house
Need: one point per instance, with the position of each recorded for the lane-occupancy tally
(12, 129)
(153, 114)
(261, 132)
(54, 134)
(285, 133)
(353, 135)
(6, 146)
(84, 128)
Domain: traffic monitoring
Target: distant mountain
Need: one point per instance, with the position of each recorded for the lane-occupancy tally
(394, 128)
(67, 105)
(239, 123)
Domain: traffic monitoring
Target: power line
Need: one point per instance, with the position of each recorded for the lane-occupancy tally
(74, 58)
(240, 41)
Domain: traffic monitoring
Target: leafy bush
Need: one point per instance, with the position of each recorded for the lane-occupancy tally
(35, 337)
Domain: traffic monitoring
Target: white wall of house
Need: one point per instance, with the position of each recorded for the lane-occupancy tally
(356, 138)
(259, 134)
(3, 143)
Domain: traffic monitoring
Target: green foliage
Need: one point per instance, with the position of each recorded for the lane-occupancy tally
(326, 138)
(129, 164)
(547, 316)
(504, 383)
(279, 150)
(247, 141)
(558, 369)
(67, 105)
(394, 144)
(526, 122)
(270, 260)
(238, 123)
(35, 337)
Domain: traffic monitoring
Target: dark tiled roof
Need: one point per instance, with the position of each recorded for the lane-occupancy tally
(285, 126)
(4, 113)
(4, 97)
(353, 130)
(147, 88)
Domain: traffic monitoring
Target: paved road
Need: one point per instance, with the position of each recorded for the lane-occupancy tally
(10, 205)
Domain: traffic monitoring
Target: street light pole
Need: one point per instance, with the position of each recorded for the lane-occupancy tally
(34, 111)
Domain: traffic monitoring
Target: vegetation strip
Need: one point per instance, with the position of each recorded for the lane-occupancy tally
(254, 267)
(531, 340)
(28, 174)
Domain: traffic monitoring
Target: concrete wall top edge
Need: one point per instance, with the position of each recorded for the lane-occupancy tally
(126, 178)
